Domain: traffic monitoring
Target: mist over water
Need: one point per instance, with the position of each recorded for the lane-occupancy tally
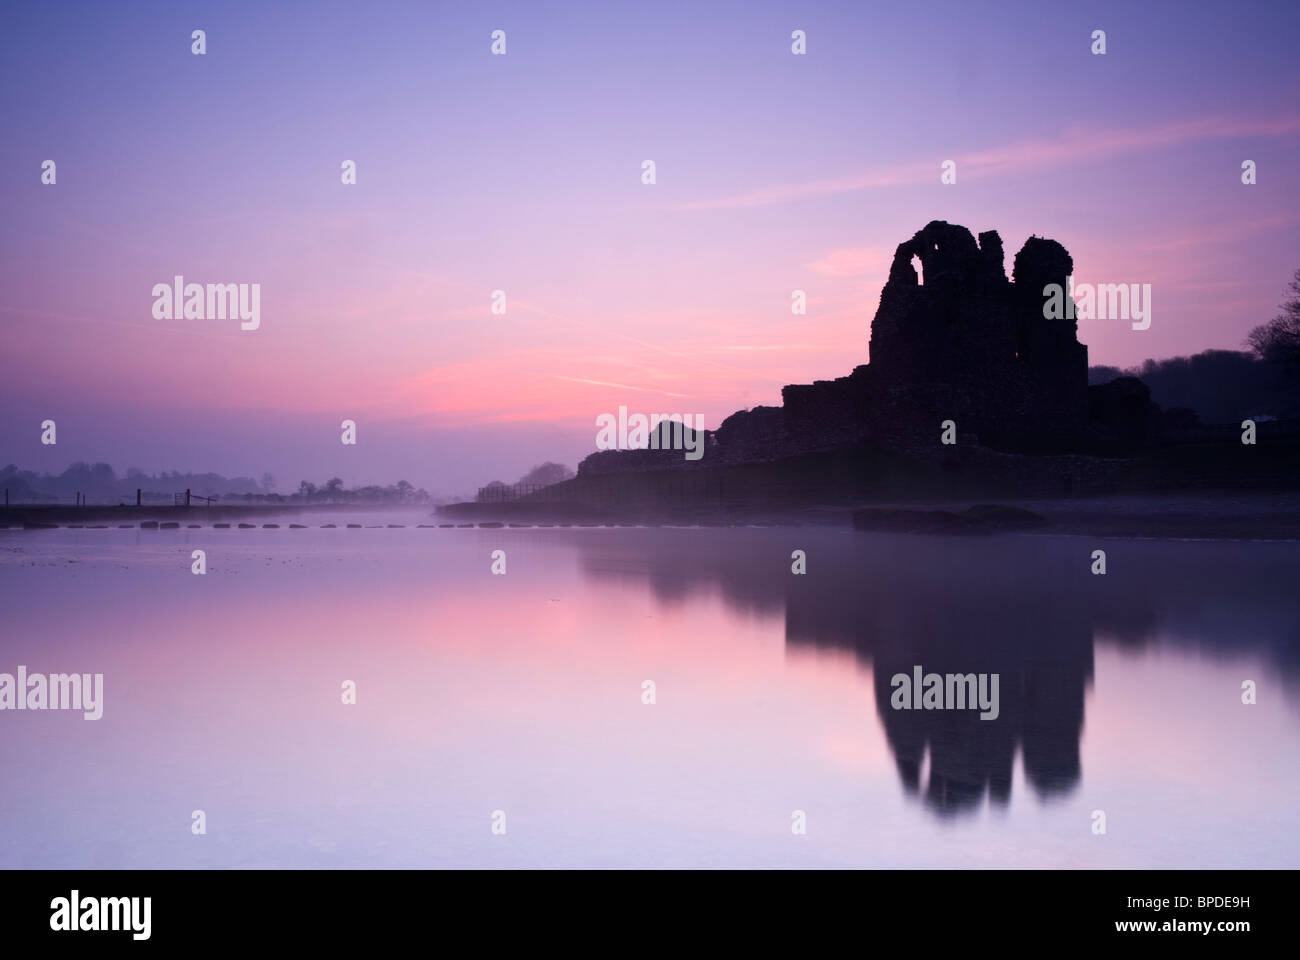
(522, 693)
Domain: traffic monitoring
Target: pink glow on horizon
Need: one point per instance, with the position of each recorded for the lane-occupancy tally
(775, 174)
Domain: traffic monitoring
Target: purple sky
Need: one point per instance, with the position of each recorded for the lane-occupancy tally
(522, 172)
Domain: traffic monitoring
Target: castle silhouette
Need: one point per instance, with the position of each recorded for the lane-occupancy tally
(960, 343)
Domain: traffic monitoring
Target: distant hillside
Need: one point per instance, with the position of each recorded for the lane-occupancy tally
(1220, 386)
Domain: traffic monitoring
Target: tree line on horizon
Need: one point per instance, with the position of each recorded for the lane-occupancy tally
(333, 491)
(1228, 386)
(542, 475)
(99, 481)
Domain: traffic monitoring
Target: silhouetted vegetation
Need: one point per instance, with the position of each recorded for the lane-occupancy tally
(100, 482)
(541, 476)
(333, 491)
(1278, 341)
(1221, 386)
(546, 474)
(1227, 386)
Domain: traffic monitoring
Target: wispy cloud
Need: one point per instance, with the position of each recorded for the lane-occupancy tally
(782, 347)
(1073, 146)
(619, 386)
(853, 262)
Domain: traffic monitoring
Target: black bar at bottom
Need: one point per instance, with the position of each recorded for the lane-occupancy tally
(984, 909)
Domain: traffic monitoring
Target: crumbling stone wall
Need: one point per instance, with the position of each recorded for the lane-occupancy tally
(959, 342)
(969, 345)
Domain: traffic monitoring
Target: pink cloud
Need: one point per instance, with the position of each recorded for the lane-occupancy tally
(854, 262)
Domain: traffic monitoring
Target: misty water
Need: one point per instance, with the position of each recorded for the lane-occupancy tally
(523, 693)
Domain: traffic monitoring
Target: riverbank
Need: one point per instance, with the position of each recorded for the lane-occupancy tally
(1227, 516)
(36, 515)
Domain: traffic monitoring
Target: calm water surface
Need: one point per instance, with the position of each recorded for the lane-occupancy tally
(523, 693)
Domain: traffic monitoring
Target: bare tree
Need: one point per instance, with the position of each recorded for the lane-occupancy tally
(1278, 341)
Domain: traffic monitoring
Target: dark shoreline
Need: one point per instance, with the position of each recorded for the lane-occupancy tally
(1227, 516)
(63, 515)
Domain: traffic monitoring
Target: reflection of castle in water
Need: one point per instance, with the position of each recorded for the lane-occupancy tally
(1026, 608)
(1028, 633)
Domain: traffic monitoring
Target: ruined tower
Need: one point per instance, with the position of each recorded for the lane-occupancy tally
(961, 342)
